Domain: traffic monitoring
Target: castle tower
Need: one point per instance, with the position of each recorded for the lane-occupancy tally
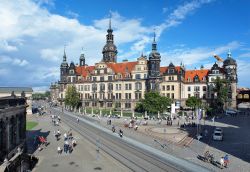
(82, 59)
(154, 68)
(230, 68)
(64, 68)
(109, 50)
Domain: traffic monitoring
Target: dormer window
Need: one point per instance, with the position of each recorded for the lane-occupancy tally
(189, 79)
(71, 71)
(196, 78)
(170, 70)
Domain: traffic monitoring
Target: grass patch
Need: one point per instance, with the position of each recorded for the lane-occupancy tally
(30, 125)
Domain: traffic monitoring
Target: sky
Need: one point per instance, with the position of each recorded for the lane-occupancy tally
(33, 34)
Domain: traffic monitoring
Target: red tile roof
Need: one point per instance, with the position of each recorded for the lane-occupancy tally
(192, 73)
(165, 69)
(122, 68)
(84, 70)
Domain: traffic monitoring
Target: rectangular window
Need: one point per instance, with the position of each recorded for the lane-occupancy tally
(189, 88)
(127, 105)
(196, 88)
(138, 76)
(204, 96)
(204, 88)
(189, 95)
(94, 78)
(102, 78)
(168, 87)
(117, 86)
(172, 95)
(110, 78)
(137, 96)
(172, 87)
(168, 95)
(169, 78)
(163, 87)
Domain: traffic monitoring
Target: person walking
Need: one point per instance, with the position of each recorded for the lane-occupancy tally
(226, 161)
(59, 150)
(222, 162)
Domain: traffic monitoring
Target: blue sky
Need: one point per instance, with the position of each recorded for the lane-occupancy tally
(34, 32)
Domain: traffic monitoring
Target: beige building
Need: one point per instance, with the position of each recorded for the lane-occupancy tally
(109, 84)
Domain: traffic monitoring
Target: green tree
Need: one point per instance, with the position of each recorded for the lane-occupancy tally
(221, 90)
(153, 102)
(193, 102)
(72, 97)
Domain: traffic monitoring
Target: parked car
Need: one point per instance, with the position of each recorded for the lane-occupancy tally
(231, 112)
(217, 136)
(218, 129)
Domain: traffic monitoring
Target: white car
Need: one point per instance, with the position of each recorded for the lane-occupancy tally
(217, 136)
(218, 129)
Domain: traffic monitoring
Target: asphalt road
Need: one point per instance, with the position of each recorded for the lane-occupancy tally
(133, 157)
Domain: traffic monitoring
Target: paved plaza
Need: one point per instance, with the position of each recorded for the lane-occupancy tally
(83, 158)
(172, 140)
(169, 139)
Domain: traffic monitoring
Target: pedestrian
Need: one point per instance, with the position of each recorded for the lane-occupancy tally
(66, 146)
(222, 162)
(65, 136)
(226, 160)
(59, 150)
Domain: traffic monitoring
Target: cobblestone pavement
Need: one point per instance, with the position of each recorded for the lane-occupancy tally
(83, 158)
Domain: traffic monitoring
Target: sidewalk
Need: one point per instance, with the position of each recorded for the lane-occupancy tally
(83, 157)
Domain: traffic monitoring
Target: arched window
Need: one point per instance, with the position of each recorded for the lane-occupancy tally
(246, 96)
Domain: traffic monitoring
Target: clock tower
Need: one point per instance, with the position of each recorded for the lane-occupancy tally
(109, 50)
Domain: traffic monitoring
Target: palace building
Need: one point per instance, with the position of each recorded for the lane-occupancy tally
(120, 85)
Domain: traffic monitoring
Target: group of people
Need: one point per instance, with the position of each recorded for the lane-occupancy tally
(224, 160)
(55, 119)
(69, 143)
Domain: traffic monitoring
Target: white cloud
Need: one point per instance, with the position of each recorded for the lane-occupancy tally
(20, 62)
(180, 13)
(13, 61)
(31, 30)
(243, 73)
(197, 55)
(5, 46)
(245, 54)
(72, 14)
(164, 10)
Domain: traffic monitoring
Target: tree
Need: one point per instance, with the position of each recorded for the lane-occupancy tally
(193, 102)
(153, 103)
(72, 97)
(221, 90)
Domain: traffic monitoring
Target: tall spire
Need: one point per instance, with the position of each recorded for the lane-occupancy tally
(229, 55)
(154, 45)
(64, 55)
(154, 35)
(110, 22)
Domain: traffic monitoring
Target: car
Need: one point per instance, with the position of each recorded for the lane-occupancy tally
(231, 112)
(217, 136)
(218, 129)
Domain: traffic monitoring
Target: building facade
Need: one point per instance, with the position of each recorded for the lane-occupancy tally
(19, 91)
(109, 84)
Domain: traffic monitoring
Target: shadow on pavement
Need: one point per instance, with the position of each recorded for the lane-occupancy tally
(32, 143)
